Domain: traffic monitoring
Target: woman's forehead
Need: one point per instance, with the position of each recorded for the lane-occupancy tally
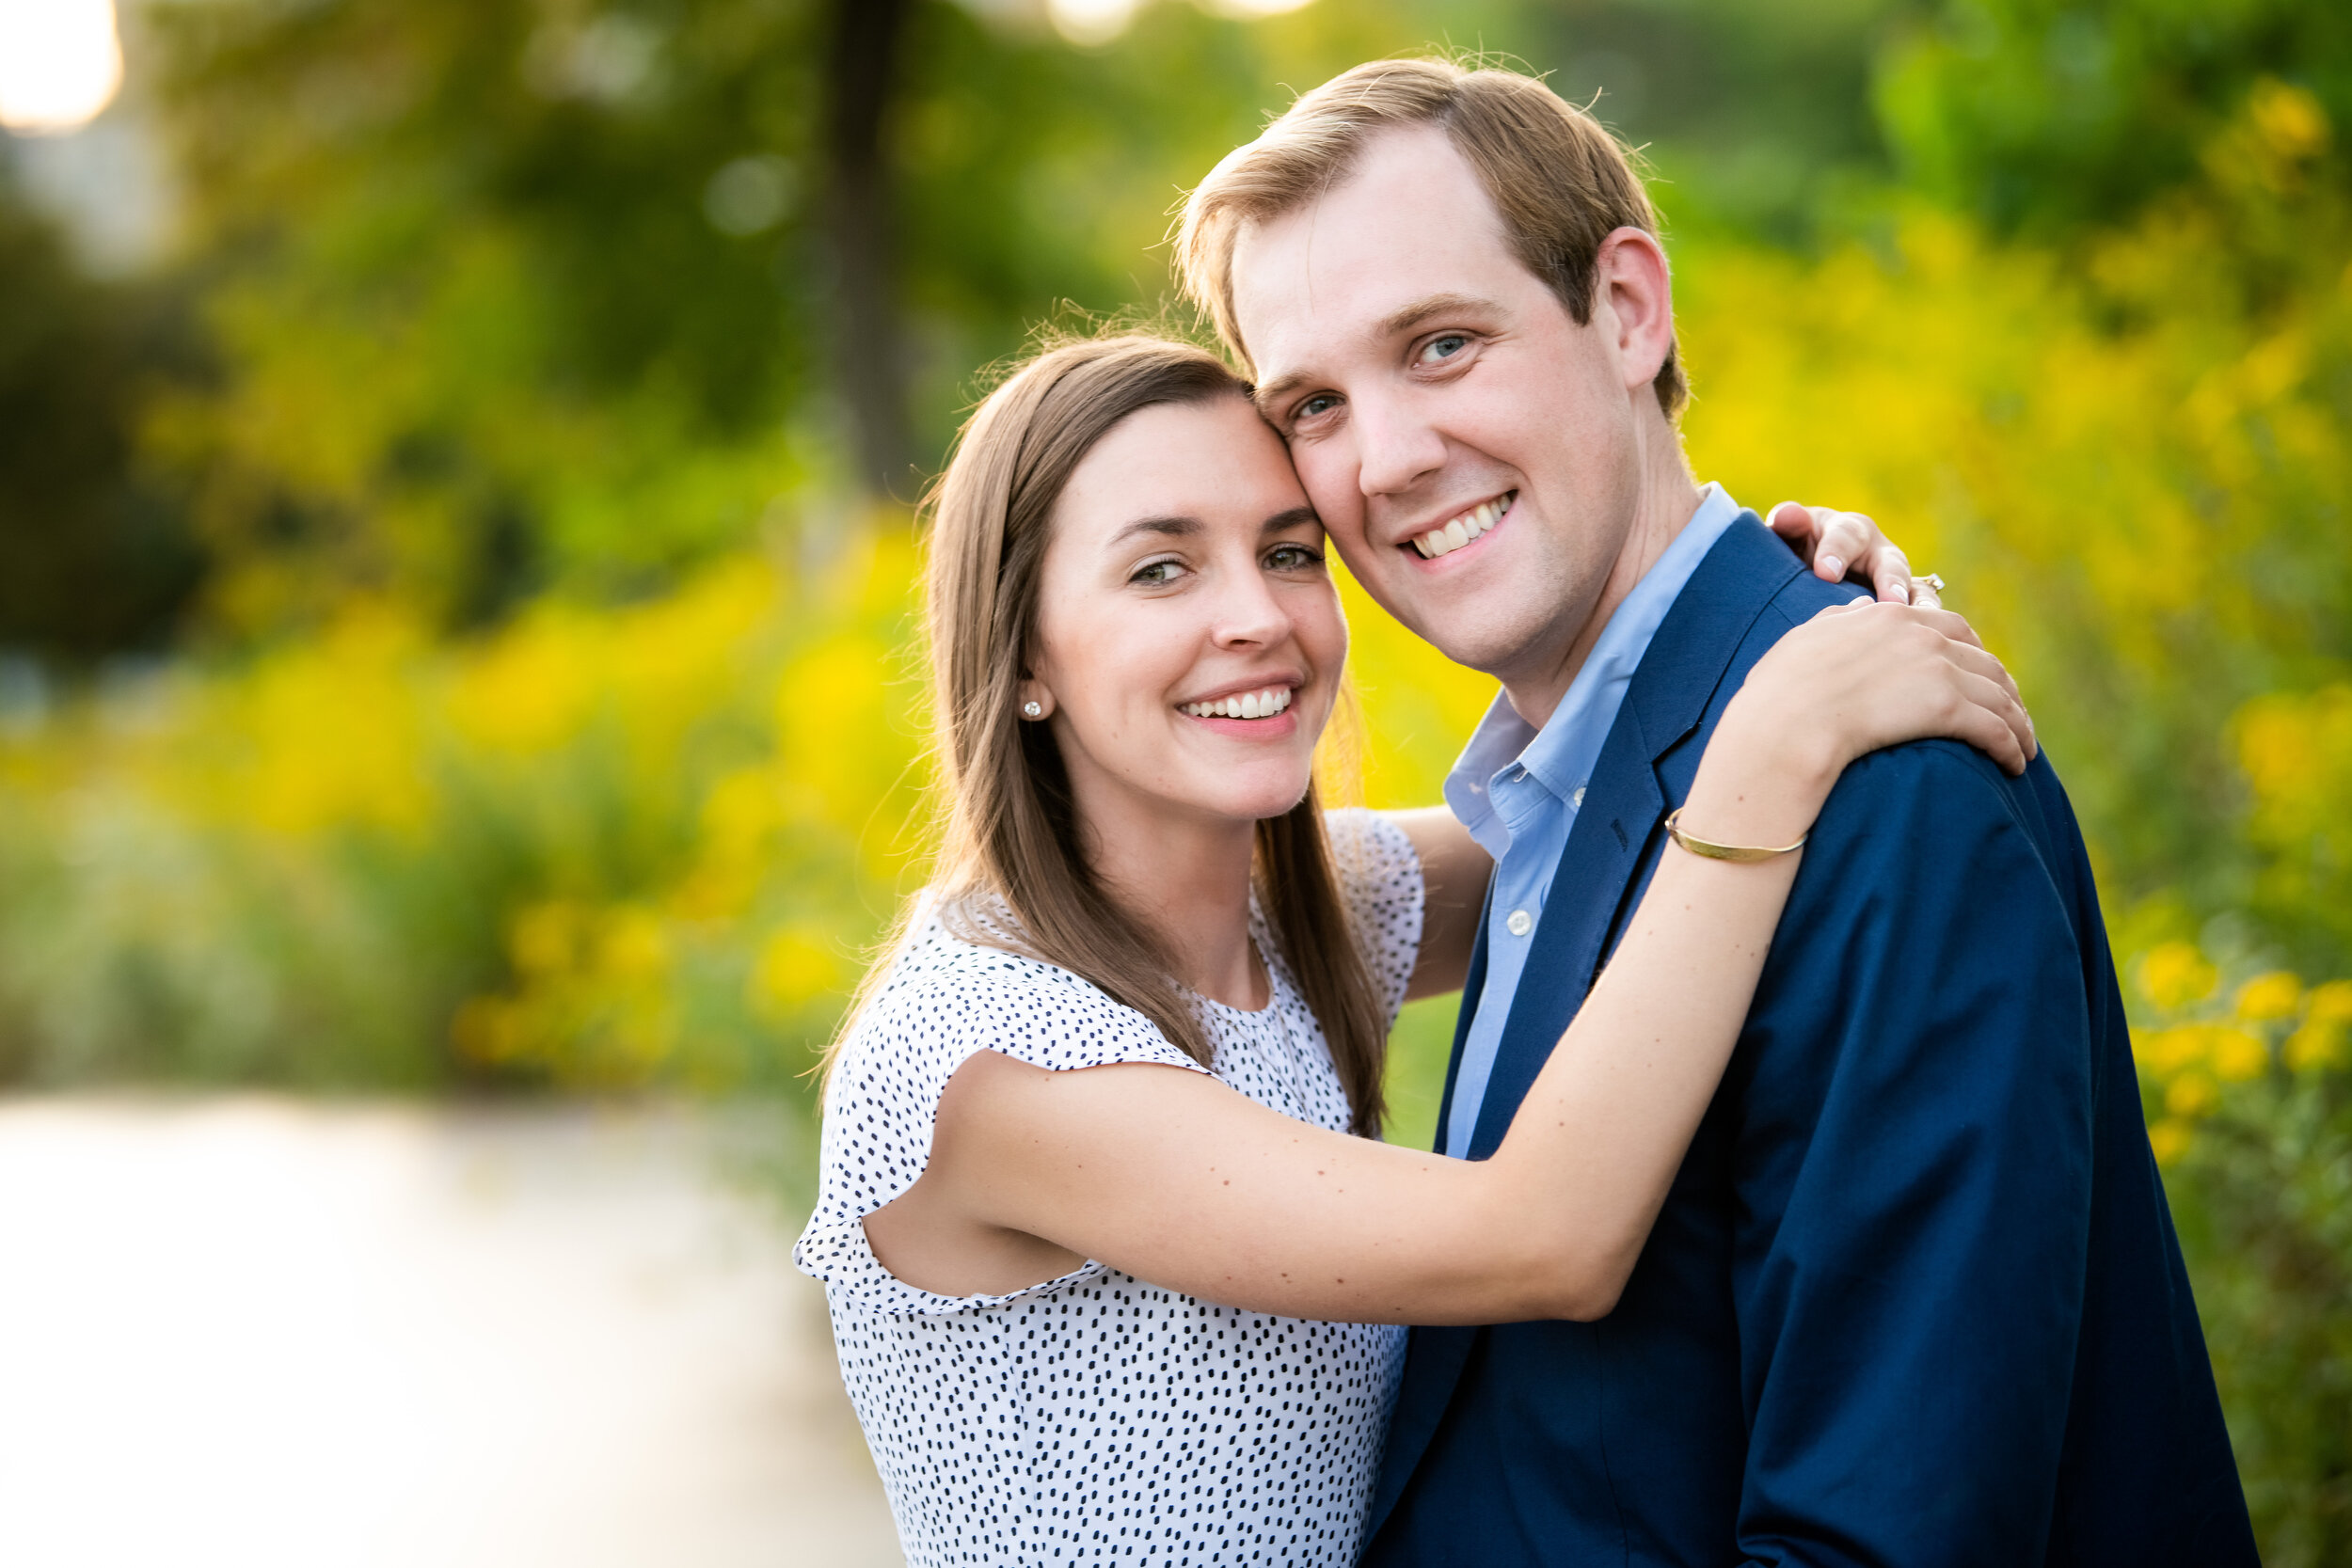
(1214, 462)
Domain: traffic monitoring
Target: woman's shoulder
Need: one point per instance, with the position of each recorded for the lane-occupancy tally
(1379, 870)
(951, 989)
(1380, 880)
(1368, 847)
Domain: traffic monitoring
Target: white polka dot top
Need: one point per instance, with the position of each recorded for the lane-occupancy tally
(1094, 1417)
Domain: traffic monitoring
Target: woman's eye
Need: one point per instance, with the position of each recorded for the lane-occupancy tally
(1293, 558)
(1443, 347)
(1158, 574)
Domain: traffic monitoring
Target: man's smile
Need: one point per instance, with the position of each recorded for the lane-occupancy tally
(1461, 529)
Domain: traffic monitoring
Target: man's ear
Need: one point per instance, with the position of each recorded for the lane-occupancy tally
(1634, 297)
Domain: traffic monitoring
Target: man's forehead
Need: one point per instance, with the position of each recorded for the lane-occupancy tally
(1410, 223)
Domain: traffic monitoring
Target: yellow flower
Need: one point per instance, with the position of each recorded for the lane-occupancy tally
(2315, 1047)
(531, 688)
(2192, 1095)
(2237, 1055)
(2270, 996)
(795, 967)
(545, 938)
(2289, 119)
(2174, 975)
(2169, 1139)
(2165, 1051)
(633, 947)
(2332, 1003)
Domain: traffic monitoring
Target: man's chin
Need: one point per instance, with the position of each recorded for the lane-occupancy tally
(1465, 637)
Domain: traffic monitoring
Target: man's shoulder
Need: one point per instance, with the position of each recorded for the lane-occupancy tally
(1936, 822)
(1802, 597)
(1947, 777)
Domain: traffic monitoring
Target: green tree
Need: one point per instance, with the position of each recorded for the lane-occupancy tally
(2056, 116)
(92, 559)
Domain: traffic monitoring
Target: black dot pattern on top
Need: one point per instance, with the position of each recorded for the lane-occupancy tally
(1095, 1417)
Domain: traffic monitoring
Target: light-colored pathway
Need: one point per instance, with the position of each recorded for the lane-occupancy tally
(273, 1335)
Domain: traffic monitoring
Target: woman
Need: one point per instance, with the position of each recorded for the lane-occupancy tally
(1134, 1033)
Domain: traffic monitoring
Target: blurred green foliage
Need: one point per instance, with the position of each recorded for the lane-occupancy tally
(2058, 115)
(543, 712)
(93, 557)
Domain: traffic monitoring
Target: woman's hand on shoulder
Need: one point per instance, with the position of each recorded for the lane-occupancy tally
(1848, 545)
(1853, 679)
(1865, 675)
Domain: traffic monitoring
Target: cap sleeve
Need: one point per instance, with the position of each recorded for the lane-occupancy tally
(945, 999)
(1380, 880)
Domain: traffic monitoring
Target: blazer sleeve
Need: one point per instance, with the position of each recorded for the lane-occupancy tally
(1912, 1167)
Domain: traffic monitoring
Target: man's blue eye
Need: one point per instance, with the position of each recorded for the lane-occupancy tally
(1445, 347)
(1319, 403)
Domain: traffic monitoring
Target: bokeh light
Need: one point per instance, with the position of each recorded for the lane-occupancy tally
(60, 63)
(1092, 23)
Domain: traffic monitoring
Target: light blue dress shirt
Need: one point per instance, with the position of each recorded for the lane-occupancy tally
(1518, 788)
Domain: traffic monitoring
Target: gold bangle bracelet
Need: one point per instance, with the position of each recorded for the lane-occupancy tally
(1724, 852)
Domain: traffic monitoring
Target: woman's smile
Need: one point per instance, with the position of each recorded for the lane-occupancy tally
(1254, 713)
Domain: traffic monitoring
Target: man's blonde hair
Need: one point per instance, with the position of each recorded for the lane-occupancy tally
(1559, 181)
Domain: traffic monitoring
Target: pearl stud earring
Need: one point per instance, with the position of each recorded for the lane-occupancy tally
(1033, 710)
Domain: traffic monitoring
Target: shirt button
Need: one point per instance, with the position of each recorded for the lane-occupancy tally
(1519, 923)
(1577, 800)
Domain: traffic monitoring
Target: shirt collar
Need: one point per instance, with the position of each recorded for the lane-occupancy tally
(1560, 755)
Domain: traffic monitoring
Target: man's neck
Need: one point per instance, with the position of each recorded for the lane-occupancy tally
(1668, 498)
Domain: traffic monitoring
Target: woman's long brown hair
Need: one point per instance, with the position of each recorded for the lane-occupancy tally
(1011, 832)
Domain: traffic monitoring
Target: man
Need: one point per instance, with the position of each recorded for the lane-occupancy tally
(1915, 1297)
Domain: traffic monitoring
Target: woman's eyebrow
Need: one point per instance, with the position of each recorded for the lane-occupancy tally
(1296, 517)
(1171, 528)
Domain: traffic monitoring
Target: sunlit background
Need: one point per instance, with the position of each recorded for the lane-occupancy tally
(60, 63)
(458, 732)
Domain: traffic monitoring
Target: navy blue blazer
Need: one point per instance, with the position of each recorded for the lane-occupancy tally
(1914, 1297)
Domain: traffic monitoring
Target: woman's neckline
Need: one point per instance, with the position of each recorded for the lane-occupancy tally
(1265, 963)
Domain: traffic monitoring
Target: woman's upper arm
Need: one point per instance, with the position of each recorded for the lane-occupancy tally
(1453, 872)
(1178, 1178)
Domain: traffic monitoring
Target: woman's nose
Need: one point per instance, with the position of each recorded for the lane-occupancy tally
(1248, 612)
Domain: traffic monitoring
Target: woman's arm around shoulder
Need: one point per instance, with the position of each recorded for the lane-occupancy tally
(1178, 1178)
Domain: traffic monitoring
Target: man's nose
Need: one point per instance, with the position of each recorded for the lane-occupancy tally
(1396, 447)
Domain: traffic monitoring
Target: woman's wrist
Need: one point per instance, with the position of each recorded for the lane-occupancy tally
(1760, 785)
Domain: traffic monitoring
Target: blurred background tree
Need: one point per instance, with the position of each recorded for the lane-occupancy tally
(454, 597)
(98, 558)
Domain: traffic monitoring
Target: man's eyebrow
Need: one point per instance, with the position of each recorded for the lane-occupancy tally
(1172, 528)
(1272, 393)
(1410, 316)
